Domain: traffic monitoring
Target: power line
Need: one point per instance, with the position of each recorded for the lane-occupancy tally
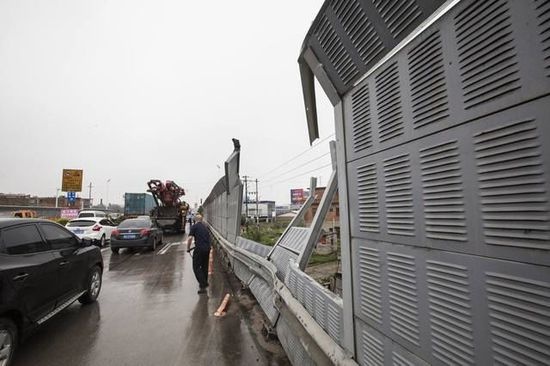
(297, 167)
(299, 175)
(297, 156)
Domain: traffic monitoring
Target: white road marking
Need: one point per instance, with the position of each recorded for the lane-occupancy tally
(104, 250)
(167, 247)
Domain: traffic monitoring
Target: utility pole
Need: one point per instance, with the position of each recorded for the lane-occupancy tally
(90, 194)
(257, 212)
(246, 194)
(57, 197)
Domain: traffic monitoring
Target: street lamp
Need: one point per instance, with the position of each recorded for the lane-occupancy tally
(57, 197)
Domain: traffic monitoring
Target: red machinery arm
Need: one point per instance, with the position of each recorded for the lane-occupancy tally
(165, 194)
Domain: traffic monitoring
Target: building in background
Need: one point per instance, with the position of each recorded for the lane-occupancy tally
(332, 220)
(8, 199)
(266, 209)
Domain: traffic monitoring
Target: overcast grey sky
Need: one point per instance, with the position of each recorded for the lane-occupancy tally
(133, 90)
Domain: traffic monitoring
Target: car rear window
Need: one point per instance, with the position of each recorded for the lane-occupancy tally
(81, 223)
(86, 214)
(134, 223)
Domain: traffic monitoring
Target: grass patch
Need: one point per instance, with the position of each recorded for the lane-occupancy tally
(266, 232)
(321, 259)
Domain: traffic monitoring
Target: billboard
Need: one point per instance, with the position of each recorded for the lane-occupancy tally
(72, 180)
(69, 213)
(297, 196)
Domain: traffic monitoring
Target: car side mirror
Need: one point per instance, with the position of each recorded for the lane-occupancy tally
(86, 242)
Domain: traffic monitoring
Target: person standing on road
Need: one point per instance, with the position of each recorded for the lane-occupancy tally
(200, 233)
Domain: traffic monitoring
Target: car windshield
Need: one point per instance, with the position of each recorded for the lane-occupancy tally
(81, 223)
(134, 223)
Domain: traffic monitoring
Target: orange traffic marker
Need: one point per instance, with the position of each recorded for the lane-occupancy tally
(211, 262)
(223, 305)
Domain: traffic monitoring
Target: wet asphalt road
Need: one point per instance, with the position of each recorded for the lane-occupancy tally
(148, 313)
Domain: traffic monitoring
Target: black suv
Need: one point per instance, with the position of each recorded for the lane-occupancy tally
(43, 269)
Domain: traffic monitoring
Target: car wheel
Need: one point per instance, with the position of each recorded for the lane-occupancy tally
(115, 250)
(102, 241)
(8, 341)
(92, 287)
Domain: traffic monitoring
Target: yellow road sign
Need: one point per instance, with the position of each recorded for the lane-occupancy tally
(72, 180)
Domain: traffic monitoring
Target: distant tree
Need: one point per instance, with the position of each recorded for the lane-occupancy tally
(116, 208)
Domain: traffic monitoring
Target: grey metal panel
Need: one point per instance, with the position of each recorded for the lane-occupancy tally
(295, 238)
(291, 344)
(377, 349)
(252, 246)
(290, 246)
(453, 308)
(264, 293)
(345, 237)
(324, 306)
(350, 36)
(454, 72)
(480, 188)
(242, 271)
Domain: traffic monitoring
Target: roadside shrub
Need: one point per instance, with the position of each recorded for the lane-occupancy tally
(62, 221)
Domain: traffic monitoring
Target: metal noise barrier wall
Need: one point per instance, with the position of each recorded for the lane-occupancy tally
(446, 175)
(253, 247)
(222, 207)
(307, 317)
(324, 306)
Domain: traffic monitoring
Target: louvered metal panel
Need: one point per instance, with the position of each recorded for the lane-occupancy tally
(359, 28)
(264, 294)
(334, 320)
(400, 360)
(398, 195)
(324, 306)
(291, 344)
(347, 41)
(367, 192)
(289, 248)
(513, 186)
(543, 14)
(398, 15)
(361, 120)
(443, 193)
(450, 313)
(295, 238)
(309, 300)
(388, 103)
(253, 247)
(487, 56)
(403, 297)
(320, 308)
(372, 349)
(335, 50)
(469, 163)
(520, 319)
(427, 81)
(370, 297)
(242, 272)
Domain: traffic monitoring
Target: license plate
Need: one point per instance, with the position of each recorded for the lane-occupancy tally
(128, 236)
(78, 231)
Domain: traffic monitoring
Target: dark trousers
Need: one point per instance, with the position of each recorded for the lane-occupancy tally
(200, 266)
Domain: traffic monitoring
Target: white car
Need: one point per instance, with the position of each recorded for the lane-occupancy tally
(98, 229)
(91, 213)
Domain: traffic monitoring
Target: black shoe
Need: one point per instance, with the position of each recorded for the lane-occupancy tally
(201, 291)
